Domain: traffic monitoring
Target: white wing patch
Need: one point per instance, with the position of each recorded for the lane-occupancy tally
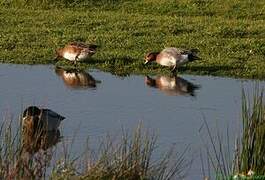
(168, 60)
(69, 56)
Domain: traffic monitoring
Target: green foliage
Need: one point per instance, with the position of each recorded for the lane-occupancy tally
(229, 34)
(252, 155)
(250, 148)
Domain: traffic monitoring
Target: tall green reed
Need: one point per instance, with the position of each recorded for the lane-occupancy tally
(249, 150)
(252, 148)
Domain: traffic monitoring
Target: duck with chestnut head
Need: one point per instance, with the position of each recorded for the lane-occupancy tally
(172, 57)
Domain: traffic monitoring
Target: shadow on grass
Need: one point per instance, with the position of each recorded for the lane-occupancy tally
(210, 69)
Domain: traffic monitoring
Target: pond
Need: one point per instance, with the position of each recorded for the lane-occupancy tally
(97, 103)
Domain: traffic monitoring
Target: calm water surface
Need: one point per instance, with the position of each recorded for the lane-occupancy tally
(95, 103)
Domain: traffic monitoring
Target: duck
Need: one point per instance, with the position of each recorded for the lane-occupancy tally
(35, 119)
(33, 143)
(172, 85)
(172, 57)
(76, 51)
(76, 79)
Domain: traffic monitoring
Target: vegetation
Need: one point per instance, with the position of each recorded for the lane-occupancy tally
(229, 34)
(25, 155)
(253, 145)
(248, 162)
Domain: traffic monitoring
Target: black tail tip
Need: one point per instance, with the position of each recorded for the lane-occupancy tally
(193, 57)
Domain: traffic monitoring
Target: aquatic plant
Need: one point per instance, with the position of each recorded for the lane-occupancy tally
(249, 151)
(25, 155)
(131, 157)
(15, 161)
(252, 147)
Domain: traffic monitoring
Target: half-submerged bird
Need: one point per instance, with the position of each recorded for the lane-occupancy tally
(35, 119)
(76, 51)
(172, 86)
(172, 57)
(76, 79)
(43, 140)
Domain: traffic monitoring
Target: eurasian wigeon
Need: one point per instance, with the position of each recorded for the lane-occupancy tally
(35, 118)
(76, 79)
(172, 57)
(172, 85)
(42, 140)
(76, 51)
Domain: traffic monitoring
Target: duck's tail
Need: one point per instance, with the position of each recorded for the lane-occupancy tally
(192, 88)
(192, 55)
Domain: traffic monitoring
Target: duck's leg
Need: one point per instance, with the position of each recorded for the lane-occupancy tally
(75, 63)
(76, 59)
(173, 70)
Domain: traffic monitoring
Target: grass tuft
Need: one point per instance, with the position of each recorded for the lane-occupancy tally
(30, 155)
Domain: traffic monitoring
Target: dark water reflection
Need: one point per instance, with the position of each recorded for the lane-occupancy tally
(116, 103)
(76, 79)
(172, 85)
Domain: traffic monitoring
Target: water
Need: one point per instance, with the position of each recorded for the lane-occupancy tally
(95, 103)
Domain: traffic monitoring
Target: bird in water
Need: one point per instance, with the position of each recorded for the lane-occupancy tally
(172, 57)
(35, 119)
(76, 51)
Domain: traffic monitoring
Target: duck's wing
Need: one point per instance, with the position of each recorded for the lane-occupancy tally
(173, 50)
(52, 115)
(180, 51)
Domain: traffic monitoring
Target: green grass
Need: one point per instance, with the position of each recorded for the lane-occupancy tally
(229, 34)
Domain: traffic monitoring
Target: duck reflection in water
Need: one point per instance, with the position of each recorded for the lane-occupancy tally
(76, 79)
(172, 85)
(40, 129)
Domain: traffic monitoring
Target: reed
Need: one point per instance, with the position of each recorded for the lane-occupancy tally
(15, 163)
(27, 155)
(249, 153)
(130, 157)
(252, 148)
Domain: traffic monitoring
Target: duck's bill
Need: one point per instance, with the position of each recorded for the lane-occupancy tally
(146, 62)
(197, 58)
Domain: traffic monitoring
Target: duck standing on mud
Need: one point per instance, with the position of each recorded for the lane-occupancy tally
(172, 57)
(76, 51)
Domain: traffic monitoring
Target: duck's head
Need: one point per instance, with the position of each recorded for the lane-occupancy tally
(31, 111)
(58, 54)
(150, 57)
(150, 81)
